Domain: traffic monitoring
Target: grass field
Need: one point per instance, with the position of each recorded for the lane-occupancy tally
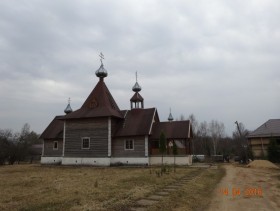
(35, 187)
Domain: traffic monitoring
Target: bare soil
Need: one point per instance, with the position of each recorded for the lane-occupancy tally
(262, 164)
(247, 189)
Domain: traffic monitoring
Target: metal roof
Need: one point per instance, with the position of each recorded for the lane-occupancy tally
(172, 130)
(137, 122)
(136, 98)
(101, 72)
(68, 109)
(170, 118)
(100, 103)
(271, 128)
(54, 129)
(136, 87)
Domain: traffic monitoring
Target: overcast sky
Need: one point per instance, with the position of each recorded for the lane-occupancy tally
(216, 59)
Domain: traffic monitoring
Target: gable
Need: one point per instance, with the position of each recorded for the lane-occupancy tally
(137, 122)
(172, 130)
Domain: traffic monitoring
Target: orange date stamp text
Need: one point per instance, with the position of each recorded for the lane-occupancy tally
(236, 191)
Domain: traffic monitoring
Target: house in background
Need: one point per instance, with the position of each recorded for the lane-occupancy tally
(260, 138)
(99, 133)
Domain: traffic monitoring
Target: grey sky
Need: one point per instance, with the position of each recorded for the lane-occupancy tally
(216, 59)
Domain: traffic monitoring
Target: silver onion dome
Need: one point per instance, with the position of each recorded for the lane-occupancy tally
(136, 87)
(101, 72)
(68, 108)
(170, 118)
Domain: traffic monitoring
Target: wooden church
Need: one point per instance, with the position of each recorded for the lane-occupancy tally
(101, 134)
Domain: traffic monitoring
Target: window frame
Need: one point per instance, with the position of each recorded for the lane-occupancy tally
(131, 144)
(83, 139)
(55, 143)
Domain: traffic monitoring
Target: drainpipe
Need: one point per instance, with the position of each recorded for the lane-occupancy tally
(109, 137)
(64, 132)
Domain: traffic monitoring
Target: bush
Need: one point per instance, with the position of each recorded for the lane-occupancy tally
(273, 151)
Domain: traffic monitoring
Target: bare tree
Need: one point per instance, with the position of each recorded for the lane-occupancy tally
(5, 136)
(194, 123)
(15, 147)
(203, 129)
(216, 131)
(182, 117)
(202, 139)
(25, 131)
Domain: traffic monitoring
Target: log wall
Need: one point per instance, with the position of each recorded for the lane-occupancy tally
(48, 148)
(118, 147)
(96, 129)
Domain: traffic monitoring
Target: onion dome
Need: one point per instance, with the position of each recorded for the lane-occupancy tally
(68, 108)
(101, 72)
(136, 87)
(170, 118)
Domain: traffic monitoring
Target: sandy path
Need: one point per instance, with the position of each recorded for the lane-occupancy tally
(247, 189)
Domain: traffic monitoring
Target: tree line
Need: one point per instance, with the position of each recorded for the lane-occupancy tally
(16, 146)
(210, 139)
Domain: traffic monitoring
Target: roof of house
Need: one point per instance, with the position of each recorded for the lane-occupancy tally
(137, 122)
(271, 128)
(54, 129)
(100, 103)
(174, 130)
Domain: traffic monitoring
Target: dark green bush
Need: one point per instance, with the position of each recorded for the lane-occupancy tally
(273, 151)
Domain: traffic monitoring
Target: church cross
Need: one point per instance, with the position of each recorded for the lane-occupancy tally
(101, 57)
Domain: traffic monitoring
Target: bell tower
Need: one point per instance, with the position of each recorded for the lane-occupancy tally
(137, 101)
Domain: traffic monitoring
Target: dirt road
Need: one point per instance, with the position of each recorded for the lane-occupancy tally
(247, 189)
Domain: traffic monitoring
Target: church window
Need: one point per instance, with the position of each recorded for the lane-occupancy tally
(55, 145)
(129, 145)
(85, 143)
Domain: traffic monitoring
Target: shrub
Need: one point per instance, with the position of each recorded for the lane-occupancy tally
(273, 151)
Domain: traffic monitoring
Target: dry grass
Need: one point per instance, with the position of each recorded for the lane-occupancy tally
(35, 187)
(194, 196)
(278, 177)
